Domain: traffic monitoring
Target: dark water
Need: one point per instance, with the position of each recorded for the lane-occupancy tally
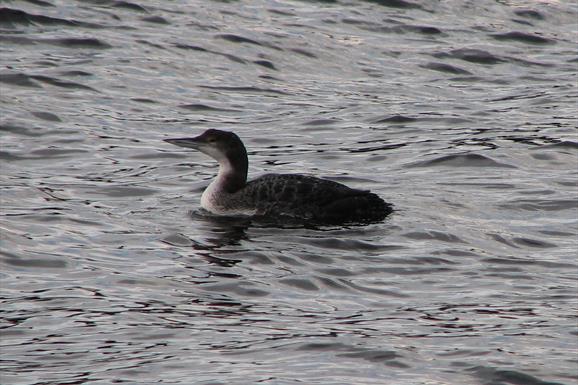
(460, 113)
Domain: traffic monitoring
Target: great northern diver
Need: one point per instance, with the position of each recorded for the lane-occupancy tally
(277, 195)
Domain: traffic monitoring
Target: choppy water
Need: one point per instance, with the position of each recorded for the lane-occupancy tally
(460, 113)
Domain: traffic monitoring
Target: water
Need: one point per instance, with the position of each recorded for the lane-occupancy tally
(461, 114)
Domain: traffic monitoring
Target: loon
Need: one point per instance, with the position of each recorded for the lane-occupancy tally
(277, 195)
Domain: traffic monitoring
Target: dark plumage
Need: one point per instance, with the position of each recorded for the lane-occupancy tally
(277, 195)
(312, 198)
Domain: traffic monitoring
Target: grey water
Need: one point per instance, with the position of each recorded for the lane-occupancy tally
(462, 114)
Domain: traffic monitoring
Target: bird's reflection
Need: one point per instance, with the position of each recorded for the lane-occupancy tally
(225, 231)
(224, 235)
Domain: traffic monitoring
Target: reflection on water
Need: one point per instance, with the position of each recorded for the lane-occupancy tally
(461, 115)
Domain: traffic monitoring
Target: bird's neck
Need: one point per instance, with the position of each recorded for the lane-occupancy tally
(232, 174)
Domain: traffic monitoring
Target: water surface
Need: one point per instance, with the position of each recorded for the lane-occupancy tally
(461, 114)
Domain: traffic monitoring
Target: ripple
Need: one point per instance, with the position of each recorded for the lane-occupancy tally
(48, 116)
(73, 42)
(322, 122)
(396, 119)
(435, 235)
(381, 356)
(472, 55)
(442, 67)
(126, 191)
(564, 144)
(156, 20)
(47, 153)
(424, 30)
(249, 89)
(336, 272)
(10, 17)
(304, 52)
(245, 40)
(44, 262)
(128, 5)
(396, 4)
(530, 14)
(371, 289)
(266, 64)
(461, 160)
(349, 244)
(204, 107)
(490, 375)
(541, 204)
(244, 289)
(19, 79)
(237, 39)
(528, 262)
(533, 242)
(303, 284)
(523, 38)
(61, 83)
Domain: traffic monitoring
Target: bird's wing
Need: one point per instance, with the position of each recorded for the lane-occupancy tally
(297, 194)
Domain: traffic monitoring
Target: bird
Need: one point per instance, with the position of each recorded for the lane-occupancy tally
(294, 196)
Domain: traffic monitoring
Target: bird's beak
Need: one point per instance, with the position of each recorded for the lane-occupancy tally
(186, 142)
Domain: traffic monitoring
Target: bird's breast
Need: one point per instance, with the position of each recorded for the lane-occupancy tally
(218, 201)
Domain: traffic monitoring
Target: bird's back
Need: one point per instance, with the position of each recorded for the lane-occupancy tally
(311, 198)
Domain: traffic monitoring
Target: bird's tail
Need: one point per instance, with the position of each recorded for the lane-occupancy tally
(366, 207)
